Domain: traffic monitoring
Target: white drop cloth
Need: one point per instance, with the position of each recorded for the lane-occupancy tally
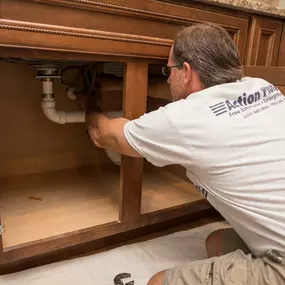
(142, 260)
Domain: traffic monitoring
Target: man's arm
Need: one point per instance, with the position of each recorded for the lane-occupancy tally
(105, 132)
(153, 136)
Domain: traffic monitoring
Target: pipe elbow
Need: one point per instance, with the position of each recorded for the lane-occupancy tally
(49, 107)
(52, 114)
(61, 117)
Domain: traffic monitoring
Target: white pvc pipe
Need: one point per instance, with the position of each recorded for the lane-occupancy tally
(49, 108)
(61, 117)
(47, 87)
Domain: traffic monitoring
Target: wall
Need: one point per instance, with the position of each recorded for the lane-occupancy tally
(30, 143)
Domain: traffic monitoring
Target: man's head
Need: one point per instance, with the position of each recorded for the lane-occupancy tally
(202, 56)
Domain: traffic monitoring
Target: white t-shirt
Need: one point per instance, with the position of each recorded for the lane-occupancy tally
(231, 140)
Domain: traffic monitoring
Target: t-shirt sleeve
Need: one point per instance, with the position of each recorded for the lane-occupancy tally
(154, 137)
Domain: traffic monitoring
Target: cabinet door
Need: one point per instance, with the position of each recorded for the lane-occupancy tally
(264, 41)
(281, 55)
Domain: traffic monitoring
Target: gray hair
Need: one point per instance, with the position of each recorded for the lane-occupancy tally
(210, 50)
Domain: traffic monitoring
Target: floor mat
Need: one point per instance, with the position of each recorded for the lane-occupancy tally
(142, 260)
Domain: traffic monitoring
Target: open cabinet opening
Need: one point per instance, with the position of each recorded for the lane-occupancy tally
(48, 204)
(53, 180)
(165, 188)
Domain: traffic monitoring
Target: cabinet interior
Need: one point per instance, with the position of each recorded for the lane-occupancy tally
(53, 180)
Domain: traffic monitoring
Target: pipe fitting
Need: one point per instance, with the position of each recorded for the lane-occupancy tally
(49, 106)
(47, 86)
(60, 117)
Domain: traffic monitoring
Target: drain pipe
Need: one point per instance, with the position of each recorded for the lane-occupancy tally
(47, 76)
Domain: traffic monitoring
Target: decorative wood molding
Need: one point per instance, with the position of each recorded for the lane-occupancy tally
(118, 8)
(173, 13)
(85, 41)
(106, 21)
(153, 9)
(81, 33)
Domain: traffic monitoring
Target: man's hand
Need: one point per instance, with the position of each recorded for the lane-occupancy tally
(103, 131)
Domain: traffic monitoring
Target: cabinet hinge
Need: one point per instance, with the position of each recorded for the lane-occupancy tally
(1, 229)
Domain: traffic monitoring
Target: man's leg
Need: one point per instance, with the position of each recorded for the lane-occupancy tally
(157, 279)
(224, 241)
(218, 243)
(213, 245)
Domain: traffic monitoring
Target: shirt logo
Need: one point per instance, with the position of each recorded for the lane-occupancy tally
(219, 109)
(246, 101)
(202, 190)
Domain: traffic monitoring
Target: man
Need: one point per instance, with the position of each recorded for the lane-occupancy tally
(228, 132)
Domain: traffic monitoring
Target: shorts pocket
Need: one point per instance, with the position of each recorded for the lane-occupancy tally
(237, 270)
(209, 280)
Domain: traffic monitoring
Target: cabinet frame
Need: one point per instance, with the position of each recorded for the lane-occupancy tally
(27, 34)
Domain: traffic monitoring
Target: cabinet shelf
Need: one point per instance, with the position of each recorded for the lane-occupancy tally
(39, 206)
(163, 189)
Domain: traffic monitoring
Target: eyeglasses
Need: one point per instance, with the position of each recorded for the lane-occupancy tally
(166, 70)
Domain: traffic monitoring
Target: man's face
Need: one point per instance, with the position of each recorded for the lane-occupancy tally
(175, 80)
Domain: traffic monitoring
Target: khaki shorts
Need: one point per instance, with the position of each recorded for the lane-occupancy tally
(234, 268)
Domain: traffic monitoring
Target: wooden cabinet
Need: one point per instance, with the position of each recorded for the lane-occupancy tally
(126, 28)
(281, 55)
(264, 41)
(59, 194)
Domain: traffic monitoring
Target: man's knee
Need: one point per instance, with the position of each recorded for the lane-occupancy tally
(157, 279)
(225, 241)
(214, 243)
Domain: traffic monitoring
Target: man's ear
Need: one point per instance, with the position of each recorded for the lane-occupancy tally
(188, 72)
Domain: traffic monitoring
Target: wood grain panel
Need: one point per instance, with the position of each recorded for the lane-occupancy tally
(63, 12)
(51, 245)
(282, 89)
(281, 55)
(203, 212)
(62, 56)
(264, 41)
(134, 105)
(39, 206)
(157, 20)
(103, 31)
(274, 75)
(48, 37)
